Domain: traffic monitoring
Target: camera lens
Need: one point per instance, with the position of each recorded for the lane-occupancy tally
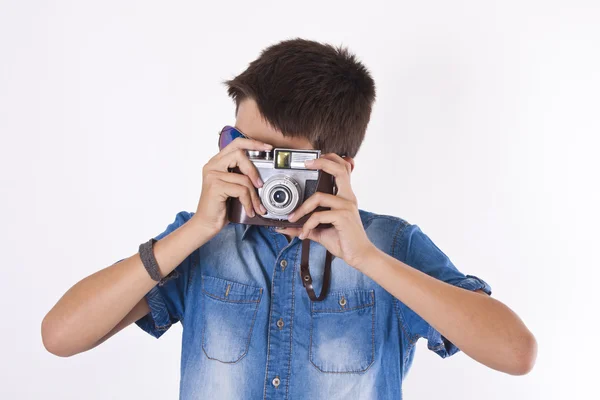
(280, 196)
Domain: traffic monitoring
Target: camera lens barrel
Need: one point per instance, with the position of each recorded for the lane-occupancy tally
(280, 195)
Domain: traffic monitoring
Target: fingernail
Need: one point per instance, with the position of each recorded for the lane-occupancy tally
(301, 236)
(252, 214)
(290, 217)
(259, 182)
(263, 209)
(308, 163)
(268, 146)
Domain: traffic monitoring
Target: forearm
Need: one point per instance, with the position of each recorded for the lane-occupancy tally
(95, 305)
(482, 327)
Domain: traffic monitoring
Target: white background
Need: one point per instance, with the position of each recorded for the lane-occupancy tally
(484, 133)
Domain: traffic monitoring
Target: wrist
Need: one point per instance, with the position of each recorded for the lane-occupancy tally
(368, 257)
(201, 231)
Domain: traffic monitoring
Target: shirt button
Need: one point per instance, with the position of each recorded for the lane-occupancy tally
(280, 323)
(276, 381)
(283, 264)
(343, 301)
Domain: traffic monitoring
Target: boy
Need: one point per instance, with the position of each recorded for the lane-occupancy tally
(250, 330)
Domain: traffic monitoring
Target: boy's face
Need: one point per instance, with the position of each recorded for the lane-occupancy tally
(251, 124)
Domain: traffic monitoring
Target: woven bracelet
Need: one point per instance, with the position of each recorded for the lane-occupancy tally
(148, 259)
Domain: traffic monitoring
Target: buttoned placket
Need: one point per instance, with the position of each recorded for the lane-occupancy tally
(281, 312)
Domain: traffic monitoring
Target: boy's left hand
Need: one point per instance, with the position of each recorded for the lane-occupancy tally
(347, 238)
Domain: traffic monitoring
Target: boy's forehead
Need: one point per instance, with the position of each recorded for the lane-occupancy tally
(251, 123)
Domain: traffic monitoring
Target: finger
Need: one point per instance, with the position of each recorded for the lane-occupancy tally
(245, 144)
(315, 200)
(338, 159)
(321, 217)
(313, 235)
(238, 158)
(288, 230)
(243, 180)
(238, 191)
(332, 167)
(337, 170)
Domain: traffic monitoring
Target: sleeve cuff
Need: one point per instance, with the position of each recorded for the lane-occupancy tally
(157, 321)
(474, 283)
(438, 343)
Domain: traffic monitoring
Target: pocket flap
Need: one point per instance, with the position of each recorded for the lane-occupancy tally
(226, 290)
(345, 300)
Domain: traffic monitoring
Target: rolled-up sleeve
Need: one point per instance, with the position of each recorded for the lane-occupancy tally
(166, 300)
(420, 252)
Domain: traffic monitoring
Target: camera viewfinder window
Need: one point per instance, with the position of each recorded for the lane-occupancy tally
(283, 159)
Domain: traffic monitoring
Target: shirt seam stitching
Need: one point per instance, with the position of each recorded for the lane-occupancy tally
(287, 384)
(412, 339)
(269, 323)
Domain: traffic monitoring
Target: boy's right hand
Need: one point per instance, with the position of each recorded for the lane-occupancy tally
(218, 184)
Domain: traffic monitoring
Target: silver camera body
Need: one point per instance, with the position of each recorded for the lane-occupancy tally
(287, 181)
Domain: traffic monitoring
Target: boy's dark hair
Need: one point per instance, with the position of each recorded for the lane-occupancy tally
(312, 90)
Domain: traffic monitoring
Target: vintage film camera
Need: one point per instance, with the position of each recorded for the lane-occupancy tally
(287, 184)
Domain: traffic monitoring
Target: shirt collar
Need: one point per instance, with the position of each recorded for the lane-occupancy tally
(249, 228)
(246, 229)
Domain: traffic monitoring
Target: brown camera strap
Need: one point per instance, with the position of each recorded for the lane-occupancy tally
(305, 273)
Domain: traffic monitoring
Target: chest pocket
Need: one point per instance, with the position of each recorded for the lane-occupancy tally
(342, 331)
(229, 313)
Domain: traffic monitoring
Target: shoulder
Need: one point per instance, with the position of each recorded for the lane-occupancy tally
(231, 229)
(387, 232)
(183, 216)
(180, 218)
(381, 220)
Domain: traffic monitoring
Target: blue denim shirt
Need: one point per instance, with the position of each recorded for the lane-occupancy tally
(250, 331)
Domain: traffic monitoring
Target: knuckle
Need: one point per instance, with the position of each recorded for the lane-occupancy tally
(246, 163)
(209, 174)
(252, 172)
(235, 190)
